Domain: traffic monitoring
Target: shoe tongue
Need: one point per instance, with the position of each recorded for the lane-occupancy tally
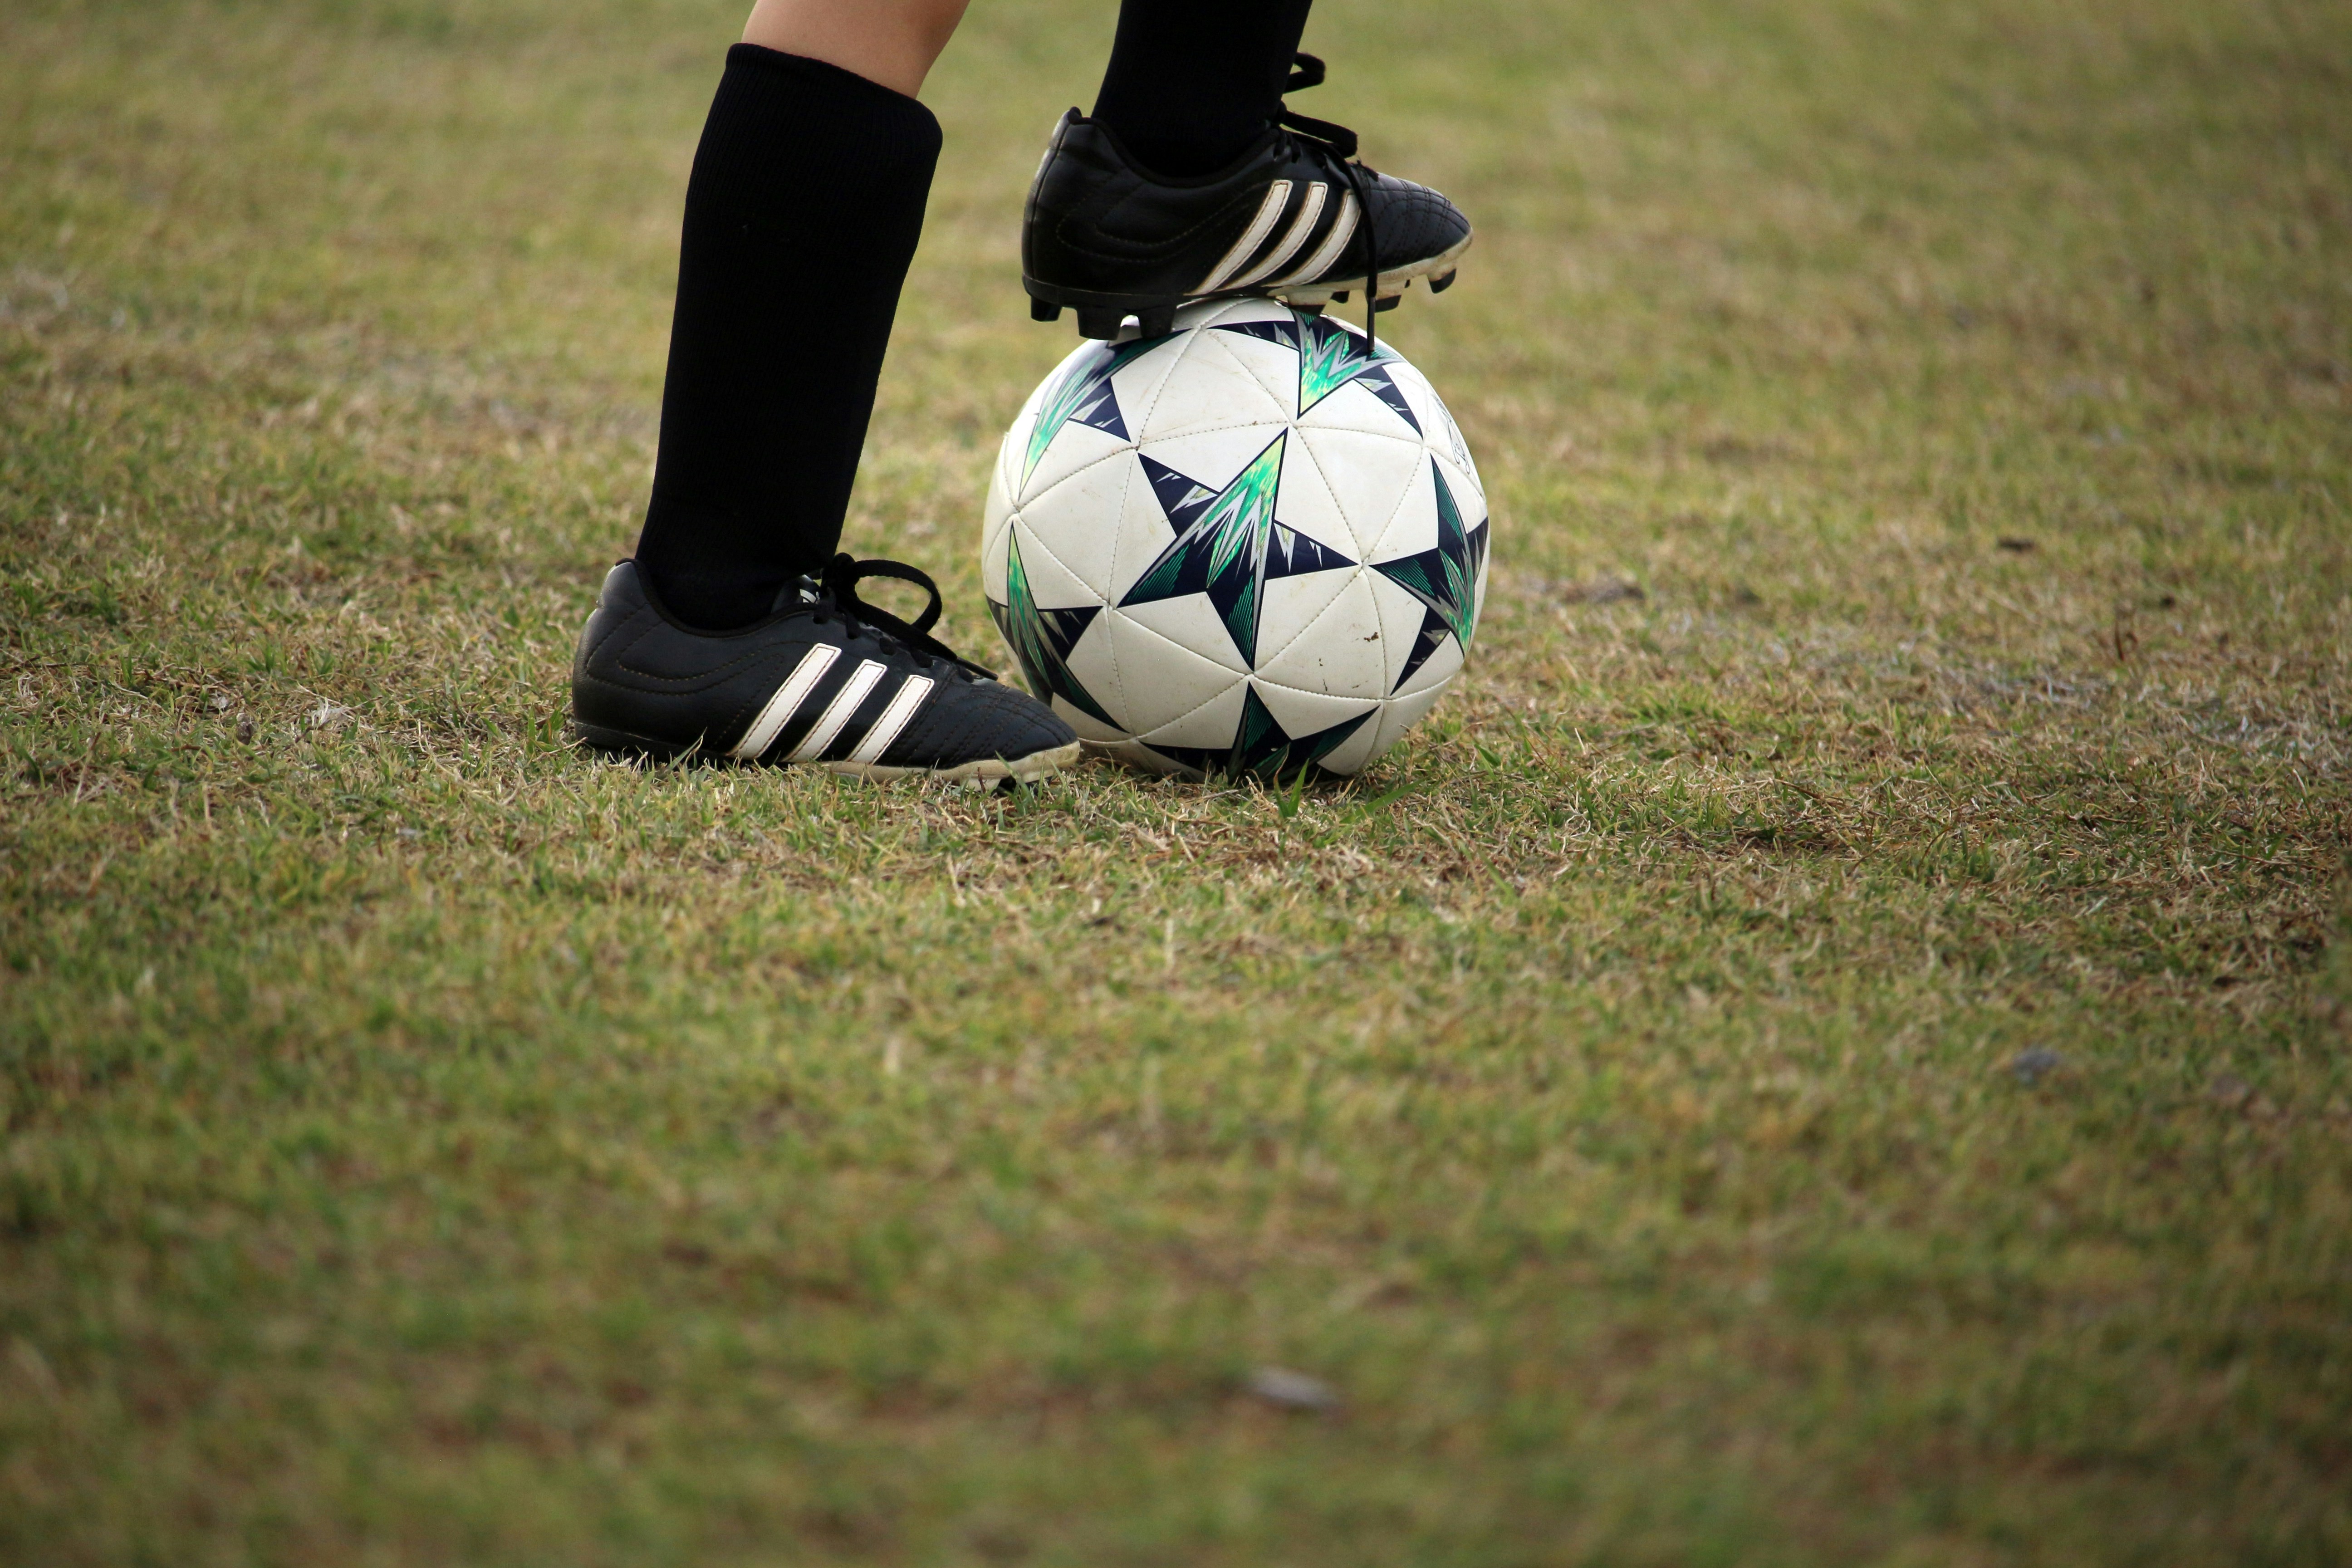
(796, 593)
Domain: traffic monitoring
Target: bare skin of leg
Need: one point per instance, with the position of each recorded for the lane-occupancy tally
(892, 42)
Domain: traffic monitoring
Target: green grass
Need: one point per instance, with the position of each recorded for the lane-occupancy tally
(425, 1144)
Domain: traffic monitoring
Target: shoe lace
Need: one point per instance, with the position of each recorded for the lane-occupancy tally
(1339, 143)
(836, 597)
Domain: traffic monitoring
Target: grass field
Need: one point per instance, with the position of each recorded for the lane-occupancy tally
(1829, 1048)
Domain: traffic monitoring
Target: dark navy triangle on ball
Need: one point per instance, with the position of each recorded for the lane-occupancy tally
(1182, 497)
(1329, 357)
(1100, 411)
(1084, 397)
(1291, 553)
(1376, 381)
(1284, 332)
(1433, 631)
(1444, 579)
(1221, 540)
(1041, 638)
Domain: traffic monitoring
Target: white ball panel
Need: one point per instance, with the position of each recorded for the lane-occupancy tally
(1221, 313)
(1054, 585)
(1213, 459)
(1359, 749)
(1136, 535)
(1068, 522)
(1305, 505)
(1444, 663)
(1138, 381)
(1353, 405)
(1094, 662)
(1212, 724)
(1291, 606)
(1210, 390)
(1088, 726)
(1307, 713)
(1005, 473)
(1073, 447)
(1421, 397)
(1191, 623)
(1331, 635)
(1160, 678)
(1438, 429)
(1372, 479)
(1401, 615)
(1273, 366)
(1402, 713)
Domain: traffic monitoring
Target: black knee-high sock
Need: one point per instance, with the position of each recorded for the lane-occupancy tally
(1192, 83)
(802, 213)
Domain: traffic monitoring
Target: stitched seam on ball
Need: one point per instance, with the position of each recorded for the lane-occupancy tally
(1241, 676)
(1024, 502)
(1286, 401)
(1107, 603)
(1366, 552)
(1292, 640)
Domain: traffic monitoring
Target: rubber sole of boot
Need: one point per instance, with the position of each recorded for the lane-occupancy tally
(1021, 770)
(1105, 315)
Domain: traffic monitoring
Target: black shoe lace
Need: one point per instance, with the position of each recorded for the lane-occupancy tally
(836, 597)
(1339, 142)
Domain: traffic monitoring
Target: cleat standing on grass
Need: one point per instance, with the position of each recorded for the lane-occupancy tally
(1298, 218)
(826, 680)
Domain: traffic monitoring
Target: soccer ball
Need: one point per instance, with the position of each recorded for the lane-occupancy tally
(1255, 546)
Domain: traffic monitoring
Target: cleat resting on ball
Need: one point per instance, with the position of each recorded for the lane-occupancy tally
(1297, 217)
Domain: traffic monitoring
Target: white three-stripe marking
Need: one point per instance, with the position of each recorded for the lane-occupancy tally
(1300, 227)
(1329, 251)
(911, 692)
(786, 703)
(1269, 210)
(837, 712)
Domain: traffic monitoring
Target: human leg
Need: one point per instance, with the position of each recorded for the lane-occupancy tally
(736, 630)
(1192, 83)
(802, 215)
(894, 42)
(1192, 179)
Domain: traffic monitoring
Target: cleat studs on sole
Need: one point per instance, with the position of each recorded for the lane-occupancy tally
(1338, 296)
(1106, 323)
(1156, 323)
(1440, 285)
(1388, 301)
(1044, 311)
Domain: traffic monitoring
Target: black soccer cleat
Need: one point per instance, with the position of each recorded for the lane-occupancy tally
(1297, 218)
(826, 679)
